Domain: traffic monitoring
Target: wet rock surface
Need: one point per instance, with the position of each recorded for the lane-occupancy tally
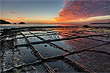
(55, 50)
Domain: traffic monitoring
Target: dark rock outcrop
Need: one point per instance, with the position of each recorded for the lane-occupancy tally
(101, 23)
(21, 23)
(86, 26)
(14, 23)
(4, 22)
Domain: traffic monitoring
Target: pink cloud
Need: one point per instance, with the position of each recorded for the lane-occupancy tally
(5, 18)
(11, 20)
(16, 13)
(9, 13)
(21, 18)
(36, 16)
(3, 13)
(82, 9)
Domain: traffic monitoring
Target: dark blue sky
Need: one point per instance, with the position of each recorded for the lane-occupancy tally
(44, 9)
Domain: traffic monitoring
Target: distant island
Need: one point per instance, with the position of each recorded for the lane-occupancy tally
(21, 23)
(14, 23)
(4, 22)
(101, 23)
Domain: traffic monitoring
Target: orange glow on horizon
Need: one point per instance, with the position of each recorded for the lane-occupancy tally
(55, 20)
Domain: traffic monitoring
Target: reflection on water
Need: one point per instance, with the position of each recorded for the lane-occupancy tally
(11, 56)
(60, 66)
(48, 50)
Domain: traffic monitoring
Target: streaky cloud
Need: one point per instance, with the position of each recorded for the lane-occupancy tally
(16, 13)
(11, 20)
(21, 17)
(36, 16)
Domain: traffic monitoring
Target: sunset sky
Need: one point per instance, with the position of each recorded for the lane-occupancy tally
(55, 11)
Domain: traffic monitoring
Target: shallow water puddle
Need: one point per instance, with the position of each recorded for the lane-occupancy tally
(60, 66)
(21, 41)
(48, 50)
(34, 39)
(15, 57)
(27, 54)
(64, 44)
(92, 60)
(50, 37)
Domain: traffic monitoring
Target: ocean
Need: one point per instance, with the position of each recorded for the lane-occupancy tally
(2, 26)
